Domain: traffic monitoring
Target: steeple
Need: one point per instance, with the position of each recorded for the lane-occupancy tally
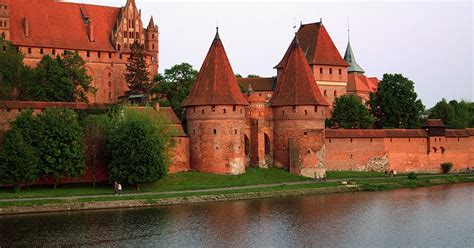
(296, 85)
(350, 59)
(151, 24)
(216, 83)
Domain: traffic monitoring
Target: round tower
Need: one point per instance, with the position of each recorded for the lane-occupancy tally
(215, 116)
(299, 112)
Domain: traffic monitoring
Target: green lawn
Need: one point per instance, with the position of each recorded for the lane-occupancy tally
(173, 182)
(352, 174)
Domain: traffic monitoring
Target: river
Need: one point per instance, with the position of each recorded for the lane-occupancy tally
(441, 216)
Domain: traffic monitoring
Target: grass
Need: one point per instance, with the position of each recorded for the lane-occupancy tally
(352, 174)
(173, 182)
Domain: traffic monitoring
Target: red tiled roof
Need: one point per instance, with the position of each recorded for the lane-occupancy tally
(216, 83)
(361, 83)
(317, 46)
(457, 133)
(434, 123)
(60, 25)
(376, 133)
(296, 85)
(373, 83)
(470, 131)
(258, 84)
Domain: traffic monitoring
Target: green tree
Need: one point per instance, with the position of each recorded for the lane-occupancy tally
(454, 114)
(19, 160)
(175, 84)
(253, 76)
(60, 144)
(137, 76)
(13, 73)
(350, 112)
(139, 143)
(396, 104)
(95, 137)
(76, 71)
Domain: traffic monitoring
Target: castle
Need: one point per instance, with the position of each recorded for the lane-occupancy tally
(101, 35)
(278, 121)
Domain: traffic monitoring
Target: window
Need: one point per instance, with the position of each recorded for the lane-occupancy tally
(215, 131)
(110, 74)
(29, 50)
(283, 112)
(110, 84)
(4, 48)
(98, 54)
(340, 71)
(53, 51)
(137, 35)
(125, 34)
(152, 36)
(194, 109)
(330, 70)
(1, 24)
(320, 70)
(41, 51)
(224, 111)
(202, 111)
(234, 108)
(153, 46)
(305, 133)
(335, 93)
(235, 131)
(305, 112)
(118, 47)
(213, 108)
(110, 55)
(120, 56)
(65, 52)
(88, 54)
(294, 109)
(325, 93)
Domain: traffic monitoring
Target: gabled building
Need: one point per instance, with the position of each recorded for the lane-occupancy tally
(101, 35)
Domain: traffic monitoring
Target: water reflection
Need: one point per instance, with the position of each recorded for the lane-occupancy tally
(437, 216)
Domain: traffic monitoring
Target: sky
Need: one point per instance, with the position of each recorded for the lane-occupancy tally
(430, 42)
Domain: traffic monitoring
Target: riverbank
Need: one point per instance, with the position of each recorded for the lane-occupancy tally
(292, 188)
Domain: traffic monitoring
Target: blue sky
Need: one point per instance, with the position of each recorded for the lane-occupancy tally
(430, 42)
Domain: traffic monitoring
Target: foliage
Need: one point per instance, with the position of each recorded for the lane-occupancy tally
(455, 115)
(175, 84)
(95, 138)
(19, 159)
(412, 175)
(446, 167)
(60, 79)
(137, 75)
(395, 104)
(349, 112)
(352, 174)
(253, 76)
(13, 73)
(60, 144)
(139, 145)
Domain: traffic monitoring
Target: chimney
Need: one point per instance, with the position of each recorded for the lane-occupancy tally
(26, 26)
(90, 31)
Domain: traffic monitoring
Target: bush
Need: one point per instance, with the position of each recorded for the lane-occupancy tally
(446, 167)
(412, 175)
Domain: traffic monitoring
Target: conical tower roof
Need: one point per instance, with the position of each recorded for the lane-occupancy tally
(216, 83)
(351, 60)
(151, 24)
(296, 85)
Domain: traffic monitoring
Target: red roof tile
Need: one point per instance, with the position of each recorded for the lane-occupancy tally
(317, 46)
(373, 83)
(258, 84)
(60, 25)
(434, 123)
(216, 83)
(470, 131)
(376, 133)
(296, 85)
(457, 133)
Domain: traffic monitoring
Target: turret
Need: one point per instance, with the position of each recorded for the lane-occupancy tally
(152, 43)
(215, 112)
(4, 21)
(299, 112)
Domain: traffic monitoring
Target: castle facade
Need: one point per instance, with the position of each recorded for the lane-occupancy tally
(101, 35)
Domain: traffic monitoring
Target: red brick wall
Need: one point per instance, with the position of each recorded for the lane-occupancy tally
(221, 152)
(180, 156)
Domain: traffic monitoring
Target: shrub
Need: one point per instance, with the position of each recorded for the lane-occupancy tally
(412, 175)
(446, 167)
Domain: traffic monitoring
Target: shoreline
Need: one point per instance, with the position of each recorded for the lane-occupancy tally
(69, 206)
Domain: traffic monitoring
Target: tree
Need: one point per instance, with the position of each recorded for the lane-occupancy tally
(350, 112)
(253, 76)
(175, 84)
(60, 144)
(63, 79)
(454, 114)
(13, 73)
(137, 76)
(395, 104)
(96, 141)
(19, 160)
(139, 147)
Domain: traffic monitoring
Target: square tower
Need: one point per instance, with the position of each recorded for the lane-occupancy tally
(4, 21)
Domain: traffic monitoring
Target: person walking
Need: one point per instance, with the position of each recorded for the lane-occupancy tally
(119, 189)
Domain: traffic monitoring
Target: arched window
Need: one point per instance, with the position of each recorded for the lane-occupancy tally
(325, 93)
(246, 145)
(335, 92)
(267, 144)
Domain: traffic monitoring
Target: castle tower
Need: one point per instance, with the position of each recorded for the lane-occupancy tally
(152, 43)
(357, 83)
(299, 111)
(215, 112)
(326, 63)
(4, 21)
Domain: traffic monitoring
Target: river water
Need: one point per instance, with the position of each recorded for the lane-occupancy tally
(441, 216)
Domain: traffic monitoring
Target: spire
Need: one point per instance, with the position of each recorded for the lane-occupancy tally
(350, 59)
(216, 83)
(151, 24)
(217, 37)
(296, 85)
